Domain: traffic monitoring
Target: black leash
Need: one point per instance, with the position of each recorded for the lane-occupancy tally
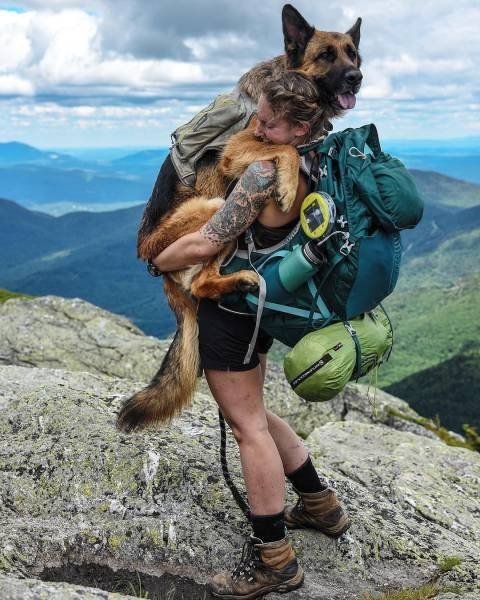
(223, 460)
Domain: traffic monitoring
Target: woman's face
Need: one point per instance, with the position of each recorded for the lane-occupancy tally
(275, 129)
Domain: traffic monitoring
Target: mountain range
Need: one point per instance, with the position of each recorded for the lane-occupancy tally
(87, 255)
(58, 183)
(62, 181)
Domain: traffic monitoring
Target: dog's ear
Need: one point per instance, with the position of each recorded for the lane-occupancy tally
(354, 32)
(296, 33)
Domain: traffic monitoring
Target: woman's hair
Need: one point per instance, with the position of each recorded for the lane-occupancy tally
(294, 97)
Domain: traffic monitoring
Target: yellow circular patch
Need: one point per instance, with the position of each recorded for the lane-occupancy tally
(316, 215)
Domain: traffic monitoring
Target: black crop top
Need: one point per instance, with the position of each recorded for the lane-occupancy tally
(264, 236)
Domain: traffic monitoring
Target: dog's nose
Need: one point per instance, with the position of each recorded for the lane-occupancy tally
(353, 77)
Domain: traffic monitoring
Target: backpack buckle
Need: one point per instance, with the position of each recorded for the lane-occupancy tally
(347, 245)
(322, 172)
(356, 153)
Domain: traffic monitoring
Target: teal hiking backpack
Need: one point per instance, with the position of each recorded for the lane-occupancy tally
(375, 198)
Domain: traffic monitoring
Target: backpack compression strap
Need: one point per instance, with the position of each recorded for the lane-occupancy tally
(262, 294)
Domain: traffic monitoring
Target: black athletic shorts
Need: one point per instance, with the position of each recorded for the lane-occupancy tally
(224, 338)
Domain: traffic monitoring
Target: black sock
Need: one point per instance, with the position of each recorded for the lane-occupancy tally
(269, 528)
(305, 478)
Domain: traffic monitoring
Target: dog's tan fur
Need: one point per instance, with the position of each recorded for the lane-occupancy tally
(173, 386)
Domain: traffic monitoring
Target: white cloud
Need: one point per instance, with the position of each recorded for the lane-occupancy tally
(101, 63)
(58, 49)
(120, 113)
(72, 45)
(10, 85)
(15, 48)
(210, 46)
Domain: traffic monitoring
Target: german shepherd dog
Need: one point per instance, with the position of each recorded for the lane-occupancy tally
(332, 61)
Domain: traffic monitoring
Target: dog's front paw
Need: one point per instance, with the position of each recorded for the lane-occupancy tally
(247, 282)
(285, 199)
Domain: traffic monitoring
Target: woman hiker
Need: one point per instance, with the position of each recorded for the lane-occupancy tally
(288, 113)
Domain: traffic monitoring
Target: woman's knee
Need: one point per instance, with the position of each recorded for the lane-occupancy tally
(249, 431)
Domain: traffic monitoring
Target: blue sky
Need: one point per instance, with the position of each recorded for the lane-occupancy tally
(126, 73)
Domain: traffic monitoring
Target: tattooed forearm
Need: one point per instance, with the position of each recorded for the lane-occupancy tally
(254, 189)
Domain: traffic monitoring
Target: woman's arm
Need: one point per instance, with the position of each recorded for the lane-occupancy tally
(254, 189)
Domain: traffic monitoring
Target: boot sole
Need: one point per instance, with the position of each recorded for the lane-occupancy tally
(324, 530)
(279, 588)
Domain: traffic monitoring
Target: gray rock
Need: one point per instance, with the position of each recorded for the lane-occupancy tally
(75, 335)
(421, 499)
(31, 589)
(459, 595)
(76, 496)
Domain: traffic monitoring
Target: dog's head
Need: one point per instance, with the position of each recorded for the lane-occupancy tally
(330, 59)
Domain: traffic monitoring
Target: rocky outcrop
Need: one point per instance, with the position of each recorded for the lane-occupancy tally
(84, 504)
(74, 491)
(75, 335)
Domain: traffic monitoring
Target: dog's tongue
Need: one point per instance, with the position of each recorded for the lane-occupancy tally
(346, 100)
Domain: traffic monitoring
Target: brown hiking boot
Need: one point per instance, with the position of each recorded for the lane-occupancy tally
(318, 510)
(264, 567)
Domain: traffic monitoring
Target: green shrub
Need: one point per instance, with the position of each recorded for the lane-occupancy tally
(447, 563)
(6, 295)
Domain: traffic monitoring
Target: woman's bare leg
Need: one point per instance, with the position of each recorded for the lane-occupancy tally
(239, 395)
(290, 446)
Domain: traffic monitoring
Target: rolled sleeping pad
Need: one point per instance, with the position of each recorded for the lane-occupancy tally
(323, 362)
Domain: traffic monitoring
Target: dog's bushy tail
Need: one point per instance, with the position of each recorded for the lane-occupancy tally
(172, 388)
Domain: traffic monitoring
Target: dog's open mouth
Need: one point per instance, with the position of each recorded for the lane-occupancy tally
(346, 100)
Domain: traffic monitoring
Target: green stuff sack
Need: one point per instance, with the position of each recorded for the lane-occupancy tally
(323, 362)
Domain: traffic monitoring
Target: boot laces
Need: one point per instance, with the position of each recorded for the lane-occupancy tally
(300, 506)
(248, 562)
